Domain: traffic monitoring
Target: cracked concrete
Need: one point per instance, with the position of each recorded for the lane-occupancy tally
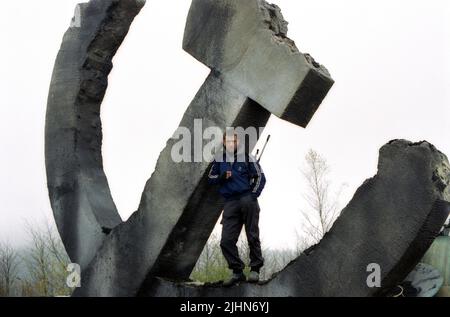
(79, 194)
(246, 40)
(274, 19)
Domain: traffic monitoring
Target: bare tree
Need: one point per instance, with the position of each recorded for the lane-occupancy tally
(301, 243)
(59, 261)
(39, 269)
(38, 262)
(46, 261)
(324, 208)
(211, 265)
(8, 269)
(207, 260)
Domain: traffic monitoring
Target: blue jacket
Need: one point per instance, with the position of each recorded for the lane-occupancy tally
(247, 177)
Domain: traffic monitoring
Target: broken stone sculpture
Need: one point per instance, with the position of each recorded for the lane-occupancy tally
(391, 221)
(255, 71)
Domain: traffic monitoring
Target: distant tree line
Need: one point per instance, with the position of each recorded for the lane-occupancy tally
(36, 270)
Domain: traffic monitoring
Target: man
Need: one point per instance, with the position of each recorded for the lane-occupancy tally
(241, 181)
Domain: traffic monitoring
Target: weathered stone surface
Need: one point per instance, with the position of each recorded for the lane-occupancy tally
(246, 40)
(177, 210)
(392, 220)
(79, 193)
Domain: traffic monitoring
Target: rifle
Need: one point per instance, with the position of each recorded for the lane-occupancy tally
(262, 151)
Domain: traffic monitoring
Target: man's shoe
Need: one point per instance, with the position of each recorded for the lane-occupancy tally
(235, 278)
(253, 277)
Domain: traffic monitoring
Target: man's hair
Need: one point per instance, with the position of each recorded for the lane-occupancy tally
(229, 134)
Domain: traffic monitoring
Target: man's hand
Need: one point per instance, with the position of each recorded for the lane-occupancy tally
(225, 176)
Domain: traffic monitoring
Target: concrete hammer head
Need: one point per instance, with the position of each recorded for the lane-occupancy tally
(246, 41)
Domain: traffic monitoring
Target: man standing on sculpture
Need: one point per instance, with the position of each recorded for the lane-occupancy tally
(241, 181)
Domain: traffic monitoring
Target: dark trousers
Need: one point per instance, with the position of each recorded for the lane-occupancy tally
(238, 213)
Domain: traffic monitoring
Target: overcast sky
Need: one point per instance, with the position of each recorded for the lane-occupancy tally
(390, 60)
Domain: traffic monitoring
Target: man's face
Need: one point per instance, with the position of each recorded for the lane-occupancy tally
(231, 143)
